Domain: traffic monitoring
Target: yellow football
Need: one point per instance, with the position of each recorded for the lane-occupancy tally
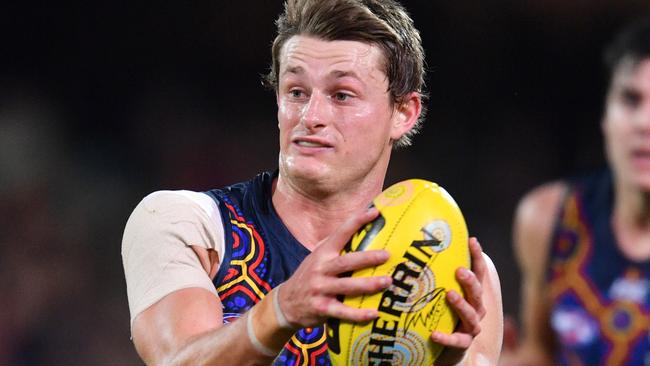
(423, 228)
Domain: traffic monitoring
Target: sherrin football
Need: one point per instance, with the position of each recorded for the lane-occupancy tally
(421, 226)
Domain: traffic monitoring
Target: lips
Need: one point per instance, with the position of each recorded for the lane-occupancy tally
(641, 158)
(641, 153)
(311, 142)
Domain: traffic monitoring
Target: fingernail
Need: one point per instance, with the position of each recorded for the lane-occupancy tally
(384, 255)
(435, 336)
(452, 296)
(463, 274)
(385, 281)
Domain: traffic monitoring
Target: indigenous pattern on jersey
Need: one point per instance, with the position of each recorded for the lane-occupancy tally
(600, 299)
(260, 254)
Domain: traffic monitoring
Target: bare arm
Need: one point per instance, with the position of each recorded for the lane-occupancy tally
(478, 339)
(185, 327)
(487, 345)
(533, 226)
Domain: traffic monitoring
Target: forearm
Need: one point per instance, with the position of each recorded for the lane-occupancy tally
(477, 358)
(486, 346)
(172, 332)
(232, 345)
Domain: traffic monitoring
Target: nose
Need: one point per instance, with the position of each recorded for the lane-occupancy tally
(316, 112)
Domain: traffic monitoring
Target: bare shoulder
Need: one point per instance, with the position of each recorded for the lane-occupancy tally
(535, 217)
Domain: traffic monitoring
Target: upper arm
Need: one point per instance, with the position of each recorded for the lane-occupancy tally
(170, 252)
(532, 234)
(163, 328)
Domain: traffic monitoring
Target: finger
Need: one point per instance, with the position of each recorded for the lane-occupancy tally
(358, 286)
(356, 260)
(479, 267)
(468, 315)
(342, 235)
(472, 288)
(454, 340)
(336, 309)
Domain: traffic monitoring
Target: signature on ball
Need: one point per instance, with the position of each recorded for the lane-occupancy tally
(429, 316)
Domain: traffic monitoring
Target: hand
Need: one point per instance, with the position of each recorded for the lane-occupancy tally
(308, 297)
(470, 309)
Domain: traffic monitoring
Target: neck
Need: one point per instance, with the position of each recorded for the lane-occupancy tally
(632, 207)
(312, 215)
(631, 222)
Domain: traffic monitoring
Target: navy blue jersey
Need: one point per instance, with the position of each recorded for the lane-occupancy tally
(600, 300)
(260, 253)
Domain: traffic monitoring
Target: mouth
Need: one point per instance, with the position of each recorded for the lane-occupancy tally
(311, 142)
(641, 153)
(641, 157)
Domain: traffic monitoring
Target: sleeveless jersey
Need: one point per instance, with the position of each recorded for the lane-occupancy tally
(260, 253)
(600, 310)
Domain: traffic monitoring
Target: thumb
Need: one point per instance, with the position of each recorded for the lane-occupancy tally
(342, 235)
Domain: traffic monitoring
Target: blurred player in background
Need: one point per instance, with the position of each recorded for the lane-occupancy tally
(204, 270)
(583, 244)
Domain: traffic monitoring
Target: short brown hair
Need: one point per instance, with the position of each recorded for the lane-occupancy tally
(632, 43)
(384, 23)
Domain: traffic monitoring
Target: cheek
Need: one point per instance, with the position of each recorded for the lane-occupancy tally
(287, 115)
(284, 124)
(617, 114)
(615, 134)
(282, 112)
(615, 125)
(369, 120)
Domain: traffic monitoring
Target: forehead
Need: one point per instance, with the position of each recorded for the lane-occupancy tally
(311, 54)
(633, 74)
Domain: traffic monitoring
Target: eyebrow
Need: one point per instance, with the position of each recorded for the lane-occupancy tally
(342, 74)
(336, 74)
(293, 70)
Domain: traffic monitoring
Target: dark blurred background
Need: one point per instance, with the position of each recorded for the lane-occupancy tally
(103, 102)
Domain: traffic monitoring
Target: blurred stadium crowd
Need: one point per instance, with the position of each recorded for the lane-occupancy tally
(104, 102)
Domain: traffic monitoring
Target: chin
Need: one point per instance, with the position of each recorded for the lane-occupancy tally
(305, 171)
(642, 181)
(644, 185)
(310, 174)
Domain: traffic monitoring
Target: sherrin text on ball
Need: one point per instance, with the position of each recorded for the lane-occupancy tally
(423, 229)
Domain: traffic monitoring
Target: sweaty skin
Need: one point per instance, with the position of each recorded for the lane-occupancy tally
(337, 128)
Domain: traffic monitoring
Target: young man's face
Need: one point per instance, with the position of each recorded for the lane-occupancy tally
(336, 119)
(626, 124)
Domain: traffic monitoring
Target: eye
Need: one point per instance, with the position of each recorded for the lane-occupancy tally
(631, 98)
(296, 93)
(342, 97)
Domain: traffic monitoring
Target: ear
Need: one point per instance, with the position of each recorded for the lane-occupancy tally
(405, 115)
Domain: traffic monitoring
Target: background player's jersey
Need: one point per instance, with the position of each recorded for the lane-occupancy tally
(260, 253)
(600, 299)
